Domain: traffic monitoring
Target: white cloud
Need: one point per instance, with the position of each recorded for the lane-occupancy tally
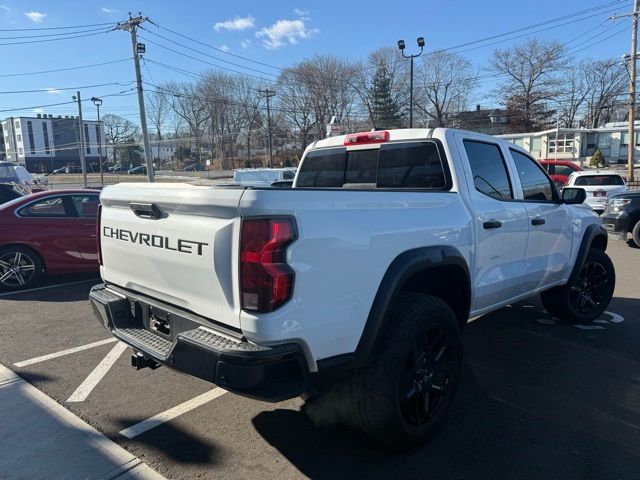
(225, 48)
(303, 14)
(246, 43)
(109, 10)
(5, 8)
(52, 90)
(283, 32)
(238, 24)
(36, 17)
(38, 110)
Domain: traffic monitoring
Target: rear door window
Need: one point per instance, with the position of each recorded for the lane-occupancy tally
(490, 175)
(417, 165)
(46, 207)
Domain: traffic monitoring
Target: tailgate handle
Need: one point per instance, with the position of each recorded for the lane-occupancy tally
(146, 210)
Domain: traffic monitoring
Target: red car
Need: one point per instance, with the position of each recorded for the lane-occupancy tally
(559, 170)
(49, 232)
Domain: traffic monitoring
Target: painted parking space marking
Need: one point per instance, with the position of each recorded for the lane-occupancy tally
(82, 392)
(602, 323)
(167, 415)
(62, 353)
(17, 292)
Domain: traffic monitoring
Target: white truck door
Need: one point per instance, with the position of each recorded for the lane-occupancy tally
(548, 253)
(501, 222)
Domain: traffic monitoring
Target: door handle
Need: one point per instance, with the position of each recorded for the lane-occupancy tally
(492, 224)
(537, 221)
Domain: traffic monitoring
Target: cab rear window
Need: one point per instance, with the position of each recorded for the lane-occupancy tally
(410, 165)
(598, 180)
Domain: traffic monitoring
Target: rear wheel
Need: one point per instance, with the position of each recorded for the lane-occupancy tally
(20, 268)
(588, 296)
(403, 395)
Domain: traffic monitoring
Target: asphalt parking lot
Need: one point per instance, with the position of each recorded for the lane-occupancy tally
(538, 399)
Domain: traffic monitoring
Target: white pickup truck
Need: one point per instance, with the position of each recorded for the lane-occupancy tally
(355, 283)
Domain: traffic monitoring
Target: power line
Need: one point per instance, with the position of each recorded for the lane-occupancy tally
(54, 39)
(53, 34)
(15, 109)
(64, 69)
(48, 90)
(55, 28)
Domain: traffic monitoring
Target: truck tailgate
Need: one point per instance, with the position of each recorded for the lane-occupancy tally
(175, 242)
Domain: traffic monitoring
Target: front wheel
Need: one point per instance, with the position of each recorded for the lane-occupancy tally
(635, 234)
(588, 296)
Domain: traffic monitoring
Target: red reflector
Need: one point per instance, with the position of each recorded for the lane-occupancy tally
(266, 281)
(366, 137)
(98, 242)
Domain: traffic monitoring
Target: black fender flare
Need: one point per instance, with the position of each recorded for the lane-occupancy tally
(593, 232)
(401, 269)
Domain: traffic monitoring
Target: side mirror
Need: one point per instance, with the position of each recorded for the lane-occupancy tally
(573, 196)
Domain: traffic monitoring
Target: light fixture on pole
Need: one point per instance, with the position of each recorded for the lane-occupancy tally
(401, 46)
(97, 102)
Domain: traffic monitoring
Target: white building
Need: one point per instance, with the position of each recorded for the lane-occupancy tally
(579, 144)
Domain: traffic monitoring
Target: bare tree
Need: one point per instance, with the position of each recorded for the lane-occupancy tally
(606, 83)
(119, 133)
(444, 82)
(574, 90)
(249, 99)
(295, 105)
(530, 70)
(189, 106)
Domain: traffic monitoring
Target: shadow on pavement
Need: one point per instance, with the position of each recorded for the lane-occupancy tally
(56, 291)
(172, 441)
(535, 401)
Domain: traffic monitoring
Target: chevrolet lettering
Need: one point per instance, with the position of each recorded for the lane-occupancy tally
(157, 241)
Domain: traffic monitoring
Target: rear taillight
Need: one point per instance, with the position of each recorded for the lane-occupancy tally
(98, 242)
(266, 281)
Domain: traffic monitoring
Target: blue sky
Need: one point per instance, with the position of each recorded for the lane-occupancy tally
(275, 33)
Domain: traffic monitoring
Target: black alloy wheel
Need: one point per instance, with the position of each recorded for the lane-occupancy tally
(590, 288)
(426, 376)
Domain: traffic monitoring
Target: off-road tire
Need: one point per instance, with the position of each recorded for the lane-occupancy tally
(565, 302)
(29, 257)
(376, 388)
(635, 235)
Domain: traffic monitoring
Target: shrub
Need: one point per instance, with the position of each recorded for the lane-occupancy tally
(597, 160)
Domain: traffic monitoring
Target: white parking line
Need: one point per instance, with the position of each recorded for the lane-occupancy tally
(47, 286)
(85, 388)
(148, 424)
(62, 353)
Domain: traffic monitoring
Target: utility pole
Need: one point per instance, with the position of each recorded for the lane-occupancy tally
(81, 150)
(632, 86)
(97, 102)
(131, 26)
(269, 93)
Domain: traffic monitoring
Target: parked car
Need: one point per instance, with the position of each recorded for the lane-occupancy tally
(559, 170)
(194, 167)
(67, 170)
(598, 185)
(352, 286)
(9, 191)
(117, 168)
(49, 232)
(18, 175)
(139, 170)
(621, 216)
(262, 177)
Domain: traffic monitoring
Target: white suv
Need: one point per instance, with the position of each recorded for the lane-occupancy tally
(599, 185)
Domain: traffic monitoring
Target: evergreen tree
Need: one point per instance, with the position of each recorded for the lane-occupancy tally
(386, 113)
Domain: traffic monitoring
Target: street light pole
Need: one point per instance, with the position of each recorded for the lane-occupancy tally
(97, 102)
(81, 150)
(401, 46)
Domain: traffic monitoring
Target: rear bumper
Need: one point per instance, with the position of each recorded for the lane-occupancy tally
(203, 351)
